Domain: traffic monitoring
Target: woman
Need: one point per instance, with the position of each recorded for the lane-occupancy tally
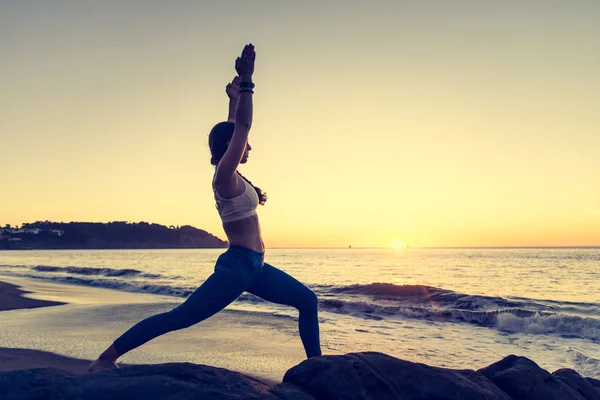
(242, 267)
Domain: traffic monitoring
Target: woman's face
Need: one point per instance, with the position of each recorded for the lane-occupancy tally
(245, 155)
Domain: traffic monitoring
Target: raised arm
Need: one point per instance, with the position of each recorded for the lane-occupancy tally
(244, 66)
(233, 92)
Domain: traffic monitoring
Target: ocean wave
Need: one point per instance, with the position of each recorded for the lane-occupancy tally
(13, 266)
(565, 326)
(424, 294)
(513, 320)
(96, 271)
(443, 298)
(133, 286)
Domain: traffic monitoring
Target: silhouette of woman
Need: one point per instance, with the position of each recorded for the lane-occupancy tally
(242, 267)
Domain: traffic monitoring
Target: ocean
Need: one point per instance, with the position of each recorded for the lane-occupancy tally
(455, 308)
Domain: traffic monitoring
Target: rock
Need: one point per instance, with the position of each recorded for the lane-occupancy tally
(42, 383)
(377, 376)
(354, 376)
(578, 383)
(594, 382)
(179, 381)
(287, 391)
(522, 379)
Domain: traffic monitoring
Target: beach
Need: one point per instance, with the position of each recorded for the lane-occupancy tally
(67, 325)
(71, 325)
(460, 309)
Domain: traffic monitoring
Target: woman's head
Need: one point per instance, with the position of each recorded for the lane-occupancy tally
(218, 140)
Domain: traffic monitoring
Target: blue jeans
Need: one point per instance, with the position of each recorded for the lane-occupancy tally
(237, 270)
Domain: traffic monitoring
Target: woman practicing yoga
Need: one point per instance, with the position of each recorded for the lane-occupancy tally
(242, 267)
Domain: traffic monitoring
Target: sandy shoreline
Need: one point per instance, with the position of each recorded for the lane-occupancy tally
(86, 320)
(11, 298)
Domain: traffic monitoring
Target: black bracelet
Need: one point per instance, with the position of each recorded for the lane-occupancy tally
(246, 85)
(247, 91)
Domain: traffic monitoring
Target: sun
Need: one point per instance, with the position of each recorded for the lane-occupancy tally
(398, 244)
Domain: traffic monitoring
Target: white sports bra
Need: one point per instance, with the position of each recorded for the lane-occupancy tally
(239, 207)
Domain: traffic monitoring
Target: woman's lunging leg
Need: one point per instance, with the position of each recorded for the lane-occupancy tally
(219, 290)
(278, 287)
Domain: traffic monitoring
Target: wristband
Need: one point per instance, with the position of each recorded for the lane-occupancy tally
(246, 85)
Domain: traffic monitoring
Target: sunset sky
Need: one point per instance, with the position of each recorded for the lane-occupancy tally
(379, 123)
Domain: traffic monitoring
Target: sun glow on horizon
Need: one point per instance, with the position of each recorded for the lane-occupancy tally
(398, 244)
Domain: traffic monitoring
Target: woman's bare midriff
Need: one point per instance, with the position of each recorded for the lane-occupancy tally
(246, 233)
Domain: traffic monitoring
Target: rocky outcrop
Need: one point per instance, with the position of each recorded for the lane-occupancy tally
(586, 387)
(355, 376)
(179, 381)
(382, 377)
(522, 379)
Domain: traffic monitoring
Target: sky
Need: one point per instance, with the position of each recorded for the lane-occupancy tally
(376, 124)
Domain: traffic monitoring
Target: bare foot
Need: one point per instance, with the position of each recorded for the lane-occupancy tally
(101, 365)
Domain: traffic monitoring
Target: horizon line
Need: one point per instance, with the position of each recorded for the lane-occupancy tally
(443, 247)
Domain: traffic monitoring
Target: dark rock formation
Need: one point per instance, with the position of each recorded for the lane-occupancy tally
(354, 376)
(165, 381)
(522, 379)
(594, 382)
(379, 376)
(584, 387)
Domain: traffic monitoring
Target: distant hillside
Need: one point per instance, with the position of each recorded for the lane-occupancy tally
(112, 235)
